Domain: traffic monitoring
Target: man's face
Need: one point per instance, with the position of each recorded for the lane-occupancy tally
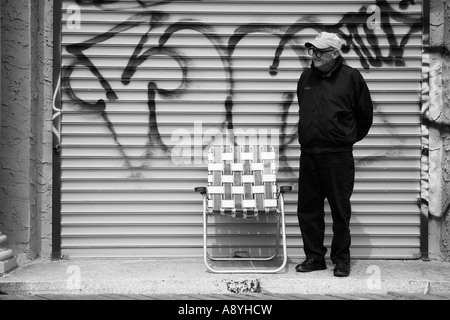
(323, 57)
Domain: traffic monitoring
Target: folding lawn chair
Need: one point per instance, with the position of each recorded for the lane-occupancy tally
(242, 185)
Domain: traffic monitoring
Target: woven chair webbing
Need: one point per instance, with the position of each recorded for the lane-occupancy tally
(242, 181)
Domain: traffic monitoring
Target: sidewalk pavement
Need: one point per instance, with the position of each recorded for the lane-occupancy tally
(189, 276)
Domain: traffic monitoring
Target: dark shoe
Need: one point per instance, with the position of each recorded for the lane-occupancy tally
(311, 264)
(342, 269)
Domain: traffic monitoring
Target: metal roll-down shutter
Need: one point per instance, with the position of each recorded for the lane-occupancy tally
(148, 85)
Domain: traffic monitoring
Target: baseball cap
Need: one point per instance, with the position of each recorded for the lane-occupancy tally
(325, 40)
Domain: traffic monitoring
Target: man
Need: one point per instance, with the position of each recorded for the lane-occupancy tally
(335, 111)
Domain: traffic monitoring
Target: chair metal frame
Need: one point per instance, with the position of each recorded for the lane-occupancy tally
(256, 160)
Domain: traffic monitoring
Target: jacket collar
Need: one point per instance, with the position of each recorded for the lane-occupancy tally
(334, 69)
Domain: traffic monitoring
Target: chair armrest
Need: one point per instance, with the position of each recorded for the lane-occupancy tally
(202, 190)
(285, 189)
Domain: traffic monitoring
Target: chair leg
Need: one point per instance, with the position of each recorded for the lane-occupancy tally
(280, 222)
(273, 256)
(205, 236)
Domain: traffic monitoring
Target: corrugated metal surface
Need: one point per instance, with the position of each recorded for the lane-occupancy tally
(144, 80)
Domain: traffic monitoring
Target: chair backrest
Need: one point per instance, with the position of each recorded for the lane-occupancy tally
(242, 181)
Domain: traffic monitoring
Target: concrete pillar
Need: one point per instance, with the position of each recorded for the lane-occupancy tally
(25, 121)
(445, 244)
(7, 261)
(439, 124)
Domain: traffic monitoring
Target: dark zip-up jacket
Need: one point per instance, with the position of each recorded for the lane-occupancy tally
(335, 109)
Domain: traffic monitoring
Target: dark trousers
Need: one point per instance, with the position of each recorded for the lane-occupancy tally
(331, 176)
